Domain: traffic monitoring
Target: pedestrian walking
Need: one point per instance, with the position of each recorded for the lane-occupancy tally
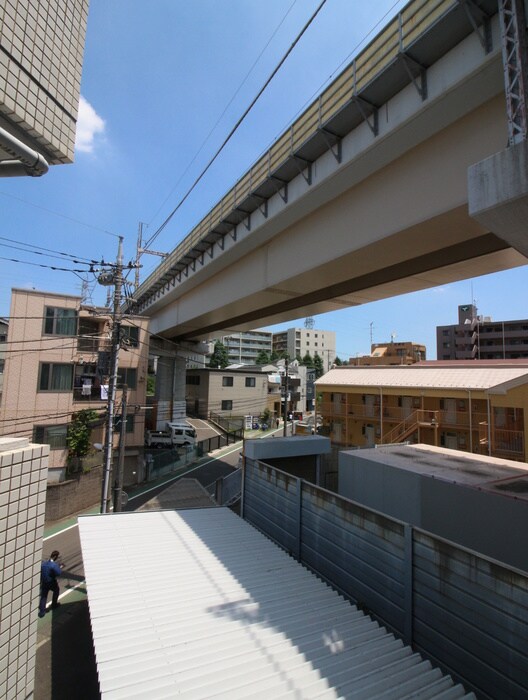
(50, 570)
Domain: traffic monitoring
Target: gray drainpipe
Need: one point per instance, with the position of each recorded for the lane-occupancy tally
(25, 161)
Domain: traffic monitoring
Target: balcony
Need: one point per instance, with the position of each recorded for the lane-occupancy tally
(88, 394)
(507, 443)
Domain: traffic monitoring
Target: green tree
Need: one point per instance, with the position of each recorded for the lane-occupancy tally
(318, 366)
(263, 358)
(219, 358)
(151, 385)
(79, 433)
(274, 356)
(308, 360)
(338, 361)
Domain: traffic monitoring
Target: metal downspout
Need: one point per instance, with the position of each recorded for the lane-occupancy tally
(25, 161)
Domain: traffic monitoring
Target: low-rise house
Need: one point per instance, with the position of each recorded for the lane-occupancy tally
(480, 407)
(58, 363)
(228, 392)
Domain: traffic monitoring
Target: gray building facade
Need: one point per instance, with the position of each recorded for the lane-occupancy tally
(477, 337)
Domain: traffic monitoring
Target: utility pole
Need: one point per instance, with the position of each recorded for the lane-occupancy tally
(117, 280)
(118, 482)
(285, 398)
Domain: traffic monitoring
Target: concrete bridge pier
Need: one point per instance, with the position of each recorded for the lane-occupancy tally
(498, 195)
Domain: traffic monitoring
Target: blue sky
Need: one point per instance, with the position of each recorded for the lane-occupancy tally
(163, 83)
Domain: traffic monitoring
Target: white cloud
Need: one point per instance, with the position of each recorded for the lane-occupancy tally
(89, 124)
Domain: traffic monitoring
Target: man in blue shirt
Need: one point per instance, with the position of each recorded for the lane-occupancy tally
(49, 572)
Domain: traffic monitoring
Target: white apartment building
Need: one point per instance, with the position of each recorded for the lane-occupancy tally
(301, 341)
(243, 348)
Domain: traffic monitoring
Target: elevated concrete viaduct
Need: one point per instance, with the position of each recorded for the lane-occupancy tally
(366, 196)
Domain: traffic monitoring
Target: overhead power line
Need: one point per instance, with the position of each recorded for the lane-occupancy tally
(225, 109)
(30, 248)
(238, 123)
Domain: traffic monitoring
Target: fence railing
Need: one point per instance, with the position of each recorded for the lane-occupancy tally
(467, 612)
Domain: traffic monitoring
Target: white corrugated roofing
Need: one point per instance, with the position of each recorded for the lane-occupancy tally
(413, 376)
(198, 604)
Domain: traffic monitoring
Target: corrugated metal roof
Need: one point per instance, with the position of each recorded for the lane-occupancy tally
(199, 604)
(425, 377)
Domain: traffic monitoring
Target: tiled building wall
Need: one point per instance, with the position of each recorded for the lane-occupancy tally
(41, 54)
(23, 476)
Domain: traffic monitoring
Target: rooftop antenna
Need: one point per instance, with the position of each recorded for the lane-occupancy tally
(309, 322)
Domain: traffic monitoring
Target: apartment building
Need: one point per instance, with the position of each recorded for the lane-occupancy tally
(298, 342)
(230, 392)
(41, 57)
(393, 353)
(244, 347)
(479, 407)
(58, 363)
(478, 337)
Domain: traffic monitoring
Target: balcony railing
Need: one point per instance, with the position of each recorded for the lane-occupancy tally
(398, 422)
(504, 443)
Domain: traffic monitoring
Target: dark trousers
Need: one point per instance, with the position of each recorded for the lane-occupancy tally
(44, 590)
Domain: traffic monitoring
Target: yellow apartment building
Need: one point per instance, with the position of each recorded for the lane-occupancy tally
(479, 406)
(57, 362)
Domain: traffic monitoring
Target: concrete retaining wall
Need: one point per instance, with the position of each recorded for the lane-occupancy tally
(68, 497)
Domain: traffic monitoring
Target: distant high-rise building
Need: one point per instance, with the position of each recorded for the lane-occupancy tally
(479, 338)
(243, 348)
(298, 342)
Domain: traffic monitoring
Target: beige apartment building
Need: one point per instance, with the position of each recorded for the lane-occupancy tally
(298, 342)
(393, 353)
(58, 363)
(476, 406)
(226, 392)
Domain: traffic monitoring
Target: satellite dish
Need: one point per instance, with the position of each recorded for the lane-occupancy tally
(98, 446)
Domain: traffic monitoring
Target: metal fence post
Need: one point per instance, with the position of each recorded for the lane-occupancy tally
(299, 519)
(408, 576)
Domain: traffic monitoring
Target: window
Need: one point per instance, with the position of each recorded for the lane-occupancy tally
(130, 336)
(250, 381)
(2, 365)
(129, 423)
(60, 321)
(55, 377)
(227, 405)
(3, 337)
(52, 435)
(88, 335)
(227, 381)
(193, 380)
(128, 376)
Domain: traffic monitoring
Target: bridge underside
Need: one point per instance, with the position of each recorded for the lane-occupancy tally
(404, 228)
